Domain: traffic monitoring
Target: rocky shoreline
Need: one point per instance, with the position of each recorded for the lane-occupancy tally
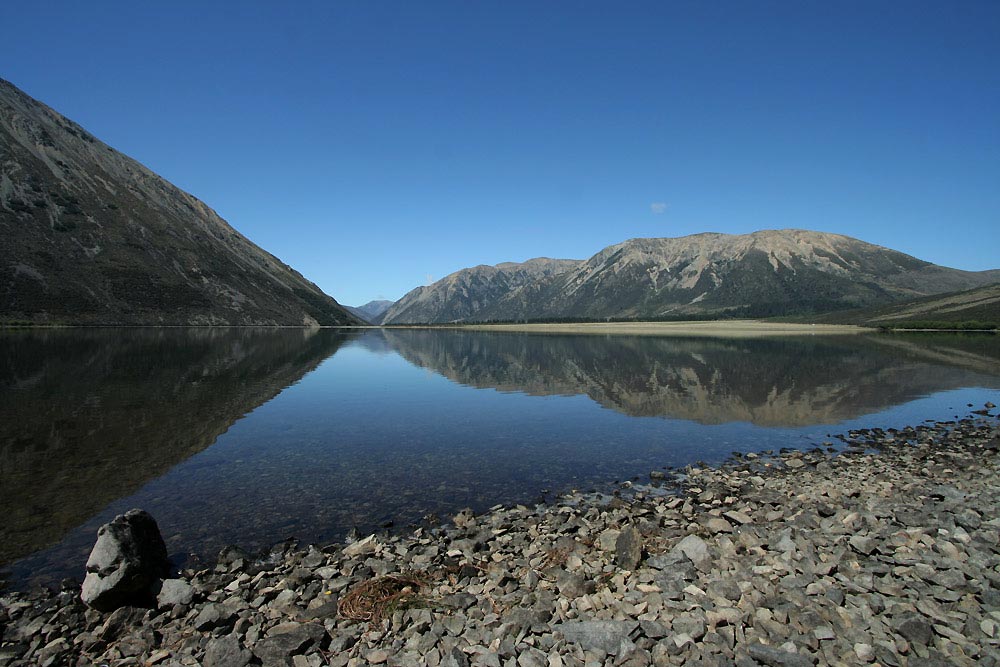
(886, 551)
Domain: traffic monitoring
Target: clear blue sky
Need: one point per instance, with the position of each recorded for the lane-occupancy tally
(373, 145)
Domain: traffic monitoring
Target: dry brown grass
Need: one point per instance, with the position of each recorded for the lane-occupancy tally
(375, 599)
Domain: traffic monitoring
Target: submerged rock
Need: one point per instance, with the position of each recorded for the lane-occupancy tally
(125, 563)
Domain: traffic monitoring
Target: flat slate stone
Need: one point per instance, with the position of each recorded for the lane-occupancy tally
(628, 548)
(604, 636)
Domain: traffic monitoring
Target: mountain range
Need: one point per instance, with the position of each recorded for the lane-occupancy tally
(472, 294)
(90, 236)
(372, 311)
(766, 273)
(93, 237)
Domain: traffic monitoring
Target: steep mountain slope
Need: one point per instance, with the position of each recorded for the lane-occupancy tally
(91, 236)
(465, 294)
(372, 311)
(773, 272)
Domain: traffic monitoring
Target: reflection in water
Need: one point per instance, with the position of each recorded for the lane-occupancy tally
(89, 416)
(768, 382)
(383, 426)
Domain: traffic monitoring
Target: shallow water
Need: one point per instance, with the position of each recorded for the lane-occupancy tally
(250, 436)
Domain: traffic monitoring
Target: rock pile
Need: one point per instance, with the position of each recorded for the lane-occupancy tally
(886, 552)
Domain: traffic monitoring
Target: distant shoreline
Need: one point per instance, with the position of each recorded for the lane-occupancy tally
(712, 328)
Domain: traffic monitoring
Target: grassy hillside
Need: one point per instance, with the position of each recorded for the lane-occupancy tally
(977, 308)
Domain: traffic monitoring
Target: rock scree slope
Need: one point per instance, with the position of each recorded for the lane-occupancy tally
(90, 236)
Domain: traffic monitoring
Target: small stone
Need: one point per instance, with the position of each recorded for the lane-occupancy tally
(915, 629)
(695, 549)
(51, 652)
(741, 518)
(211, 616)
(863, 545)
(174, 592)
(778, 657)
(628, 548)
(226, 651)
(118, 622)
(607, 636)
(532, 658)
(865, 652)
(361, 547)
(572, 586)
(717, 524)
(454, 658)
(606, 540)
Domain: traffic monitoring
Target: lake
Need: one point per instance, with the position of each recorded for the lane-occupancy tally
(250, 436)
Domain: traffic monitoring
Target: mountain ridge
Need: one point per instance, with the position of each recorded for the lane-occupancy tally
(372, 311)
(764, 273)
(464, 293)
(94, 237)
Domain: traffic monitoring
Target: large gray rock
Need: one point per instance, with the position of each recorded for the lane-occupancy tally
(125, 563)
(628, 548)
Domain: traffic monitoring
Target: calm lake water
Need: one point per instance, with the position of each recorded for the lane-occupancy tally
(251, 436)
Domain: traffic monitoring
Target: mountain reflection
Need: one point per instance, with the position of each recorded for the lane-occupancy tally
(89, 416)
(767, 382)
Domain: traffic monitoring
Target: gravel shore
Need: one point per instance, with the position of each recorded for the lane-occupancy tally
(884, 550)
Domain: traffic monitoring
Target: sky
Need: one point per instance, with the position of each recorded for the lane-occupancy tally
(378, 146)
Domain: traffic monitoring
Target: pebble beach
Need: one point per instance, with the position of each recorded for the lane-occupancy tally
(883, 549)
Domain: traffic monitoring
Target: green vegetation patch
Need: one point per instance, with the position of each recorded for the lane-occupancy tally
(966, 325)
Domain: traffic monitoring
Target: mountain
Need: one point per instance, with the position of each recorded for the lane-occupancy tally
(979, 305)
(90, 236)
(467, 294)
(766, 273)
(372, 311)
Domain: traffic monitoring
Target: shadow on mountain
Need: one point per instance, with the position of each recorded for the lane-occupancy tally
(786, 382)
(90, 416)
